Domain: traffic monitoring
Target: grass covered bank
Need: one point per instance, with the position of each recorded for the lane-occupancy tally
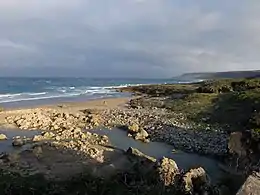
(233, 104)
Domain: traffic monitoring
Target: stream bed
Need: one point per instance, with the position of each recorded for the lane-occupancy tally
(6, 145)
(185, 161)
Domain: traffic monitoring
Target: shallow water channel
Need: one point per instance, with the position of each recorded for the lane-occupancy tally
(184, 160)
(120, 140)
(6, 145)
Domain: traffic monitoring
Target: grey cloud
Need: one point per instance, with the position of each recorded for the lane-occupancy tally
(154, 38)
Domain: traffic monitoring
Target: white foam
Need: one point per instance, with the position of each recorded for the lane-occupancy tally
(91, 92)
(37, 98)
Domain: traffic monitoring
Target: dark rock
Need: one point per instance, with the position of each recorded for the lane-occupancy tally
(18, 142)
(235, 144)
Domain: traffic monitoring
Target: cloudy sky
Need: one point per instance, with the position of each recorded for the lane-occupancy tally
(127, 38)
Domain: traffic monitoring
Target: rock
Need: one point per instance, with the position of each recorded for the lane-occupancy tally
(129, 135)
(167, 171)
(18, 142)
(135, 153)
(196, 181)
(134, 128)
(37, 138)
(251, 185)
(48, 135)
(37, 151)
(57, 138)
(3, 137)
(235, 144)
(142, 135)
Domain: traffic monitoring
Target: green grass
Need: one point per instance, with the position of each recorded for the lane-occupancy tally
(233, 104)
(162, 90)
(192, 105)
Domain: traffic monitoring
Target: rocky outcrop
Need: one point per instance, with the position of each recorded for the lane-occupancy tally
(235, 144)
(167, 171)
(251, 185)
(53, 120)
(196, 181)
(244, 148)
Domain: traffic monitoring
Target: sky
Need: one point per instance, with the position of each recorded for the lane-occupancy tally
(127, 38)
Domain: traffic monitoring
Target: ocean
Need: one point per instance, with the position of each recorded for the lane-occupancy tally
(18, 92)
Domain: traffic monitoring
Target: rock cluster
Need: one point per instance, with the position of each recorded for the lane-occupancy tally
(19, 141)
(53, 120)
(197, 141)
(141, 124)
(138, 133)
(160, 128)
(165, 172)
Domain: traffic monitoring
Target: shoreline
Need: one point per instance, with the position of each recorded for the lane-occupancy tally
(110, 108)
(63, 124)
(93, 103)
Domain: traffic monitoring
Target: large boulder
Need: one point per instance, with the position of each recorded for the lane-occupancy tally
(251, 185)
(167, 171)
(245, 147)
(196, 181)
(235, 144)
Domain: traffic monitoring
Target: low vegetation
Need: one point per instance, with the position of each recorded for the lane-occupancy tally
(233, 104)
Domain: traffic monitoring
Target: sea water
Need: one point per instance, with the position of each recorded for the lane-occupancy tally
(34, 91)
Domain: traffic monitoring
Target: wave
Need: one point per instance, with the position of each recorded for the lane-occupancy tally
(58, 92)
(51, 92)
(37, 98)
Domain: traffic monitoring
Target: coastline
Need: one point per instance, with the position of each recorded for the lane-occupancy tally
(63, 126)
